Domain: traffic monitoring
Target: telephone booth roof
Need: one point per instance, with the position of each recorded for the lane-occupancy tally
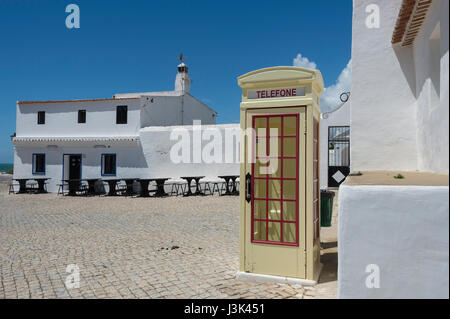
(282, 74)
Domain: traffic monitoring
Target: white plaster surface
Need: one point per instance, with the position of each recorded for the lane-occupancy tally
(148, 157)
(174, 110)
(383, 103)
(156, 145)
(433, 114)
(397, 122)
(130, 161)
(402, 229)
(61, 119)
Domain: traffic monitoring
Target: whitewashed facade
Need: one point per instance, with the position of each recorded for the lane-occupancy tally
(61, 135)
(394, 234)
(399, 101)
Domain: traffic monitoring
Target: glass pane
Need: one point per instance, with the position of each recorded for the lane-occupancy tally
(260, 122)
(290, 146)
(290, 168)
(274, 146)
(289, 233)
(260, 188)
(259, 231)
(290, 125)
(261, 147)
(274, 210)
(274, 189)
(275, 126)
(274, 232)
(259, 209)
(289, 211)
(289, 189)
(274, 168)
(261, 167)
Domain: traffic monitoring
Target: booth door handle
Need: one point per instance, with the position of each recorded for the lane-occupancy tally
(248, 187)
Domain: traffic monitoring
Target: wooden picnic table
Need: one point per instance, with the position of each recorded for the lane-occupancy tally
(197, 187)
(227, 179)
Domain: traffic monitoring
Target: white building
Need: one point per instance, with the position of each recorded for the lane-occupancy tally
(394, 232)
(110, 137)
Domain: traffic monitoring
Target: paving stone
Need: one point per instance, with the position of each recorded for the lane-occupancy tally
(124, 248)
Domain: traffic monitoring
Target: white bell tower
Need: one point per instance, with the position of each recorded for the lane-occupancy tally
(182, 81)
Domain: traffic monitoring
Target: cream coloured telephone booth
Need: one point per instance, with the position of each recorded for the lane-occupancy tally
(279, 203)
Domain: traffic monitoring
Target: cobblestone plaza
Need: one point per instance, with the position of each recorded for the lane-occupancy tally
(173, 247)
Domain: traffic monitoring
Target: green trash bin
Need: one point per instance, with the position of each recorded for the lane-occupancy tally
(326, 207)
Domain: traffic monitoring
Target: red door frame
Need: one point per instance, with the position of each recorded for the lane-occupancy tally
(296, 200)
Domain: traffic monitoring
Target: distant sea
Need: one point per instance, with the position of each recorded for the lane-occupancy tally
(4, 167)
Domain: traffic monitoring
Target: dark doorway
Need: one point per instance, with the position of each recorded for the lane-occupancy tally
(75, 167)
(338, 154)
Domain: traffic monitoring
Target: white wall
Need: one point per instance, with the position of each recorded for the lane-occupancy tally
(404, 230)
(150, 157)
(433, 115)
(130, 161)
(340, 117)
(157, 144)
(61, 119)
(169, 110)
(383, 104)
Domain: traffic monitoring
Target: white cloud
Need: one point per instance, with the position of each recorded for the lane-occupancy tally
(330, 97)
(303, 62)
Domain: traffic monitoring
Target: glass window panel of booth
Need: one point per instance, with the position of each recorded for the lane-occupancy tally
(289, 211)
(261, 147)
(274, 209)
(276, 177)
(260, 189)
(260, 209)
(274, 232)
(274, 189)
(289, 232)
(289, 147)
(259, 231)
(290, 126)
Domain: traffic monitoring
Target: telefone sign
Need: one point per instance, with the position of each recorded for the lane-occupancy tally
(269, 94)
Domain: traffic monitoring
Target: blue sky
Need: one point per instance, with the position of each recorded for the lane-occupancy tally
(132, 46)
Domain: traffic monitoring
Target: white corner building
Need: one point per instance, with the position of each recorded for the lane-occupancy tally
(393, 220)
(127, 135)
